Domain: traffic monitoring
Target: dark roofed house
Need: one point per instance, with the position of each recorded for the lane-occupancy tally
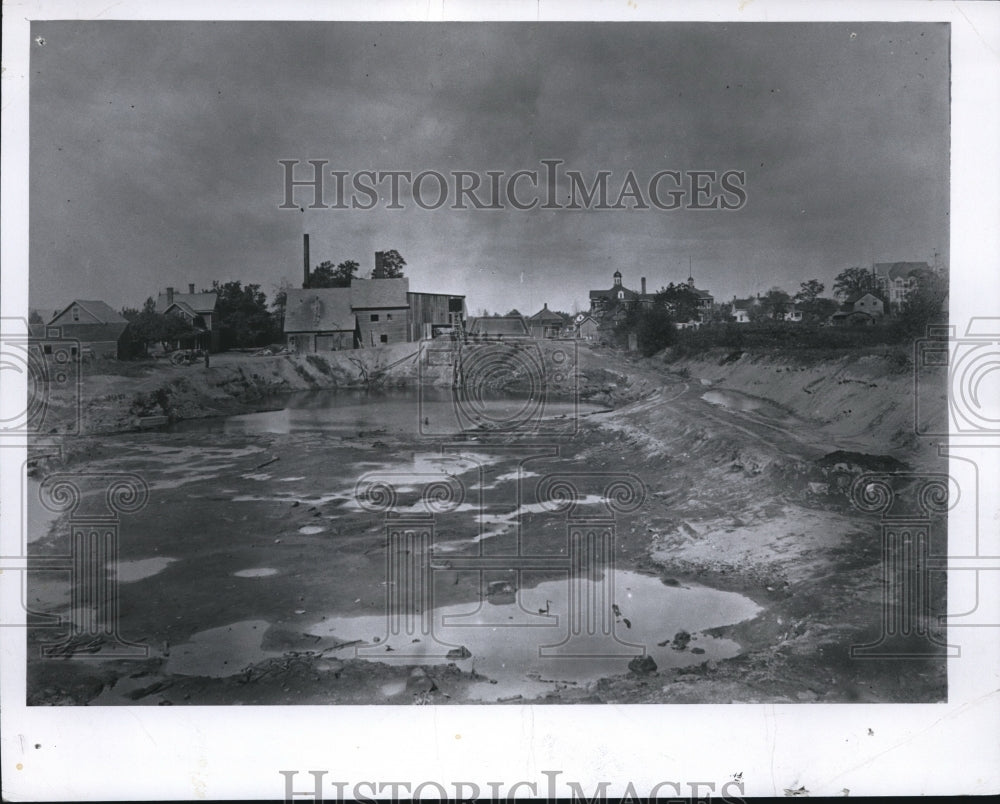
(320, 320)
(741, 308)
(617, 294)
(860, 309)
(196, 308)
(97, 327)
(546, 324)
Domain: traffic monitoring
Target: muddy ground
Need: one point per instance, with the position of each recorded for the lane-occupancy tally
(263, 538)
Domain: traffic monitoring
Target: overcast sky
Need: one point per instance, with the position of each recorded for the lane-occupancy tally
(155, 148)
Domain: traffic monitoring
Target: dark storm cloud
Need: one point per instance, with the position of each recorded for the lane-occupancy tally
(155, 148)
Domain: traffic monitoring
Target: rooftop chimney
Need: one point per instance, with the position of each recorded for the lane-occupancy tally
(170, 296)
(191, 288)
(643, 281)
(305, 261)
(379, 264)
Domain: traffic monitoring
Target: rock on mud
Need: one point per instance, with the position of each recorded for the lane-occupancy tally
(641, 665)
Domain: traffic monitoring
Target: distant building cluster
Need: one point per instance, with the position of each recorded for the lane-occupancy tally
(375, 312)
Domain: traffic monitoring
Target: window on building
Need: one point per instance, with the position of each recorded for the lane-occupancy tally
(388, 316)
(384, 338)
(621, 294)
(374, 316)
(47, 349)
(76, 313)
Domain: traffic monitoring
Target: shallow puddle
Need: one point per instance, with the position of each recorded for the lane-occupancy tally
(424, 411)
(734, 400)
(131, 571)
(258, 572)
(525, 651)
(220, 652)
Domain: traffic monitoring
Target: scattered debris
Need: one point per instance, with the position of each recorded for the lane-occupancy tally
(681, 640)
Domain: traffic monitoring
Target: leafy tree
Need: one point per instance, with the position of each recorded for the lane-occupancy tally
(809, 291)
(818, 310)
(243, 317)
(775, 304)
(279, 304)
(392, 265)
(514, 312)
(653, 326)
(325, 275)
(854, 282)
(147, 326)
(680, 301)
(34, 318)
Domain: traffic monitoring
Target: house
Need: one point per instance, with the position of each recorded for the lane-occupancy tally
(498, 327)
(545, 323)
(703, 299)
(97, 327)
(430, 314)
(860, 310)
(866, 303)
(616, 295)
(320, 320)
(897, 280)
(741, 308)
(199, 309)
(382, 310)
(586, 327)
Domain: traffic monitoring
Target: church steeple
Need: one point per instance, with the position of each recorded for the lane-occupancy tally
(618, 279)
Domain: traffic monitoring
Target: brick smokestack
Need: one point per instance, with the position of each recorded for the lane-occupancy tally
(379, 264)
(191, 288)
(170, 296)
(305, 261)
(643, 281)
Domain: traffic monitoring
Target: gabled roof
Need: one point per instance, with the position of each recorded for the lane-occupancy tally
(183, 307)
(858, 297)
(744, 304)
(199, 302)
(510, 326)
(893, 270)
(100, 310)
(370, 294)
(319, 310)
(545, 314)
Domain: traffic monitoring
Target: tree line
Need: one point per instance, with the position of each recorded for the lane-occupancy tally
(655, 325)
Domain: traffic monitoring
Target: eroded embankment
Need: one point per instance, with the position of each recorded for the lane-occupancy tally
(860, 401)
(124, 397)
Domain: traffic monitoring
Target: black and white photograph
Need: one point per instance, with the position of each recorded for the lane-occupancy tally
(629, 367)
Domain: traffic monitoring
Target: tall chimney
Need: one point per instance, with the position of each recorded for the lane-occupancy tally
(643, 281)
(379, 264)
(191, 288)
(170, 296)
(305, 261)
